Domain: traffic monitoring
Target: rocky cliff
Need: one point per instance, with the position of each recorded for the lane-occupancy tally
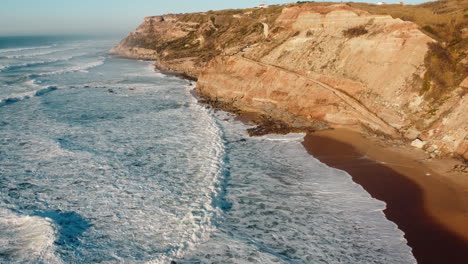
(312, 66)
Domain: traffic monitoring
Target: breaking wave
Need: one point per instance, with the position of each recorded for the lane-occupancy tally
(28, 48)
(26, 239)
(17, 56)
(14, 98)
(78, 68)
(122, 165)
(35, 63)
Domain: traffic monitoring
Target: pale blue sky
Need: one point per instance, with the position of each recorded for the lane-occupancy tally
(39, 17)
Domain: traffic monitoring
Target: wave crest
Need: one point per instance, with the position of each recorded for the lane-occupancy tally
(26, 239)
(14, 98)
(16, 56)
(35, 63)
(78, 68)
(28, 48)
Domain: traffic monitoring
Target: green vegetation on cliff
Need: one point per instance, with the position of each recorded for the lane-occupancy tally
(209, 34)
(446, 22)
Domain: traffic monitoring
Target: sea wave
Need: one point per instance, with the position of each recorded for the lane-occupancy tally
(287, 207)
(17, 56)
(201, 218)
(77, 68)
(28, 48)
(156, 201)
(35, 63)
(26, 239)
(28, 64)
(288, 137)
(32, 83)
(14, 98)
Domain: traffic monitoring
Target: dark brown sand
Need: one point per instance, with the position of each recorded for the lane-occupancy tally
(423, 205)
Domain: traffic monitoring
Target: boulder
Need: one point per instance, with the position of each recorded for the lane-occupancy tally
(418, 143)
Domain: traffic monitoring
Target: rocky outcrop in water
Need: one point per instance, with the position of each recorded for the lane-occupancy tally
(311, 66)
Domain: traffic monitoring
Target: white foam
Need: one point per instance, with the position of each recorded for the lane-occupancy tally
(208, 175)
(21, 49)
(33, 63)
(150, 183)
(288, 137)
(26, 64)
(158, 214)
(26, 239)
(149, 71)
(78, 68)
(288, 207)
(18, 96)
(26, 95)
(32, 83)
(17, 56)
(143, 74)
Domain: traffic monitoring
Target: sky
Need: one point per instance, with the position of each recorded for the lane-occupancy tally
(110, 17)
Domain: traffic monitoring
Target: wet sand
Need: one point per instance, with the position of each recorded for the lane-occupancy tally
(427, 201)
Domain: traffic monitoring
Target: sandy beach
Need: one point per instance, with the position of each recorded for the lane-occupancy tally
(425, 197)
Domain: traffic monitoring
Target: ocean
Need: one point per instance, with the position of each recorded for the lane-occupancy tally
(105, 160)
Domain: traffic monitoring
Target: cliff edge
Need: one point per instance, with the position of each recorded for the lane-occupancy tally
(315, 66)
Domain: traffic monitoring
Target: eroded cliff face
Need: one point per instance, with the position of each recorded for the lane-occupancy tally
(311, 66)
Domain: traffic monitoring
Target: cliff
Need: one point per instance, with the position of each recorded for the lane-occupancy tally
(318, 66)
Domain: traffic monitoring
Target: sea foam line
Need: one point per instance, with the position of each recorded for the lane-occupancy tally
(299, 137)
(35, 54)
(206, 224)
(14, 98)
(34, 63)
(27, 239)
(78, 68)
(29, 48)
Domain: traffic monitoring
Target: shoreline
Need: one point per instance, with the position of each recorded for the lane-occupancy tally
(424, 198)
(428, 206)
(427, 202)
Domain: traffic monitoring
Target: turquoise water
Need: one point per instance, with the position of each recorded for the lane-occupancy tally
(104, 160)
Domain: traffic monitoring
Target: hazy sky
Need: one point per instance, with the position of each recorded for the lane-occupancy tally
(39, 17)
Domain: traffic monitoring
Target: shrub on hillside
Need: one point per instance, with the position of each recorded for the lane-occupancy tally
(355, 31)
(443, 73)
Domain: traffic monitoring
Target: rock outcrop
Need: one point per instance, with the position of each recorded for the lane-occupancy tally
(311, 67)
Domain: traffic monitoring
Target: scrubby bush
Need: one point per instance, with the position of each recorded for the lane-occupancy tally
(443, 73)
(429, 30)
(355, 31)
(443, 21)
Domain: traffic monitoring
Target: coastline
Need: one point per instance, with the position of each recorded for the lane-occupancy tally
(297, 74)
(425, 198)
(428, 202)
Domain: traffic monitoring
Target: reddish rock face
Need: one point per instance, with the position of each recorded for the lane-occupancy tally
(331, 64)
(254, 86)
